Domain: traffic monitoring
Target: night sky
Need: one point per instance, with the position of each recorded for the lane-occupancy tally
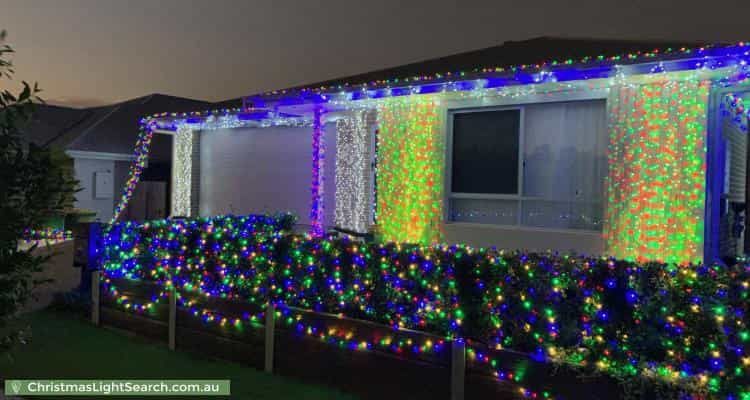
(87, 52)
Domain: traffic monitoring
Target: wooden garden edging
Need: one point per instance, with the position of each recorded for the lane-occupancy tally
(277, 348)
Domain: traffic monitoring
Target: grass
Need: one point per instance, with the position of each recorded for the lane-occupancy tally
(65, 347)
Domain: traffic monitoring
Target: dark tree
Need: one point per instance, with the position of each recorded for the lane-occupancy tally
(33, 186)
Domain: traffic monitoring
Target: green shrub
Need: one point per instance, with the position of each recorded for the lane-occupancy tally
(683, 326)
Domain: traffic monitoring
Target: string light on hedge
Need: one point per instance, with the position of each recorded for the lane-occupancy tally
(600, 314)
(502, 375)
(46, 234)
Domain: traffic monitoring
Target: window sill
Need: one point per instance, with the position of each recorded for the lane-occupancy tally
(583, 232)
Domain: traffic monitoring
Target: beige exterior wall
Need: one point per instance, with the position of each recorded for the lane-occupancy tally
(520, 238)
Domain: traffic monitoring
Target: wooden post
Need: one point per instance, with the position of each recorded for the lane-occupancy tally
(93, 264)
(458, 368)
(270, 315)
(95, 297)
(172, 317)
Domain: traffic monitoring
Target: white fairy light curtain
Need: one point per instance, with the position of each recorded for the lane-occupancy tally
(353, 171)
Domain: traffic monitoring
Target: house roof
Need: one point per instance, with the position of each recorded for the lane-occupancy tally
(49, 123)
(114, 128)
(108, 129)
(511, 53)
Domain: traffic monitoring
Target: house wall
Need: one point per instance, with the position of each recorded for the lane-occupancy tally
(518, 238)
(263, 170)
(85, 170)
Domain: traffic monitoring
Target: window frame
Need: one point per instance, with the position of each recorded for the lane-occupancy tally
(519, 198)
(484, 196)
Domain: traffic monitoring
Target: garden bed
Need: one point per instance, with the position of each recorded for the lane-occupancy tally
(546, 325)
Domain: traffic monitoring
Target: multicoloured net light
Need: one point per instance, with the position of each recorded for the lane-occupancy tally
(657, 171)
(411, 153)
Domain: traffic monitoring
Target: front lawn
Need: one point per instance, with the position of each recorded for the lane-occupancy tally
(65, 347)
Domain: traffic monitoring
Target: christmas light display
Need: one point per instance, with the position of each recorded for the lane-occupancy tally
(393, 341)
(734, 108)
(182, 170)
(602, 62)
(318, 162)
(727, 65)
(136, 168)
(411, 153)
(517, 376)
(353, 171)
(657, 171)
(51, 234)
(684, 327)
(585, 68)
(678, 325)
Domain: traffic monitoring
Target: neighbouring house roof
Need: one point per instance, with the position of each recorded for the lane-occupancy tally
(50, 123)
(114, 129)
(107, 129)
(511, 53)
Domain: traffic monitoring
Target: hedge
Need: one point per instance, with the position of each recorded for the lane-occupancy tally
(684, 327)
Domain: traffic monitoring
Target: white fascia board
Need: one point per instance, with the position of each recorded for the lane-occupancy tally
(97, 155)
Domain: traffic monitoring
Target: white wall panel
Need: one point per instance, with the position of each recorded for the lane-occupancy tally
(531, 239)
(260, 170)
(85, 170)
